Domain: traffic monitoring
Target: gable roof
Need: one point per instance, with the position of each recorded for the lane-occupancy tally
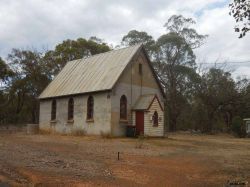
(93, 74)
(145, 101)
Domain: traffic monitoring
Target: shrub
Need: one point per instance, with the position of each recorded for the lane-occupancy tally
(79, 132)
(140, 142)
(238, 127)
(105, 135)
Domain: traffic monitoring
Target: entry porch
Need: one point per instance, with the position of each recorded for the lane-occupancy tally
(148, 116)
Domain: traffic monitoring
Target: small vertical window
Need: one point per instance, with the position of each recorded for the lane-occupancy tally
(140, 69)
(53, 110)
(71, 109)
(123, 107)
(90, 108)
(155, 119)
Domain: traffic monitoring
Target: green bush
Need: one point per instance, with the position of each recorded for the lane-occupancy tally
(238, 127)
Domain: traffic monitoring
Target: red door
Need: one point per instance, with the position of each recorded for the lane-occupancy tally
(139, 122)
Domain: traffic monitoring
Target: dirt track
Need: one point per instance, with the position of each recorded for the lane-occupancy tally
(180, 160)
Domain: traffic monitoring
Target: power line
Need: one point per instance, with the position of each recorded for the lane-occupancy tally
(239, 62)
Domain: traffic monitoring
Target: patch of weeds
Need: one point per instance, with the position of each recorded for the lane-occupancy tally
(44, 132)
(79, 132)
(140, 142)
(237, 182)
(106, 135)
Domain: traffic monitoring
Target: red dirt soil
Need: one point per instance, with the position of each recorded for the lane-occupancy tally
(182, 160)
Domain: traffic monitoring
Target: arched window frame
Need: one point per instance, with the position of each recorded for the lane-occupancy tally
(123, 107)
(155, 119)
(71, 109)
(90, 108)
(140, 68)
(53, 110)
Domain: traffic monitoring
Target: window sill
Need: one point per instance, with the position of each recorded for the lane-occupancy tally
(155, 125)
(70, 121)
(123, 120)
(90, 120)
(52, 121)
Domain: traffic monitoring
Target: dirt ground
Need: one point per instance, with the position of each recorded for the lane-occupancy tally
(179, 160)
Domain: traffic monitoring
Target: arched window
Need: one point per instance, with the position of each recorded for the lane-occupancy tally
(53, 110)
(90, 108)
(140, 69)
(123, 107)
(155, 119)
(71, 109)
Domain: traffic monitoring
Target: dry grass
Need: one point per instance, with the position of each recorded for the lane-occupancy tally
(79, 132)
(180, 159)
(106, 135)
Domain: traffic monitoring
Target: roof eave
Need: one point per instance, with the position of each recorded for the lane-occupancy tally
(75, 94)
(155, 97)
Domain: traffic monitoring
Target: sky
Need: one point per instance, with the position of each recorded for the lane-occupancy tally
(41, 24)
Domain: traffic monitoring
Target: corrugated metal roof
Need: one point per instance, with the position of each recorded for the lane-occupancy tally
(143, 102)
(96, 73)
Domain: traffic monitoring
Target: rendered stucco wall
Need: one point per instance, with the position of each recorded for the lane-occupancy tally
(102, 115)
(132, 85)
(45, 114)
(106, 110)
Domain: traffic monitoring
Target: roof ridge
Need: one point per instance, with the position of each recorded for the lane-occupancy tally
(71, 79)
(114, 50)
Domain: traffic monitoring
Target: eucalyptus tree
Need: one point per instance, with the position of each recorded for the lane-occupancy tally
(69, 50)
(28, 82)
(32, 72)
(5, 72)
(136, 37)
(240, 10)
(5, 76)
(217, 92)
(174, 60)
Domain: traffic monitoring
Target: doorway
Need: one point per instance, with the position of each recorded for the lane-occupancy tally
(139, 117)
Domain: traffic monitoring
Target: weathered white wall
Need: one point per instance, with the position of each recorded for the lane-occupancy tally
(132, 85)
(119, 127)
(45, 114)
(106, 110)
(149, 129)
(102, 115)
